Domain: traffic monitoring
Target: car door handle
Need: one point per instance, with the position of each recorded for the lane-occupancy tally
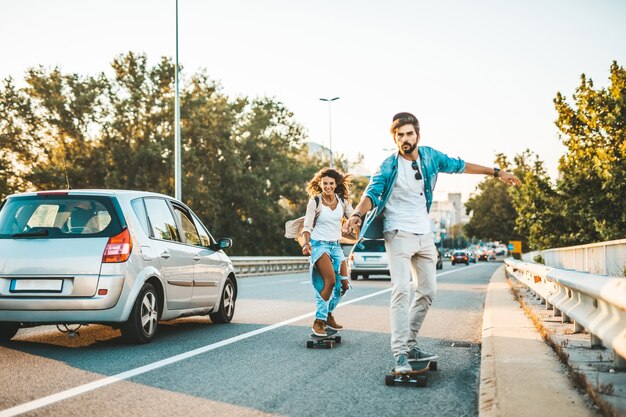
(196, 257)
(165, 255)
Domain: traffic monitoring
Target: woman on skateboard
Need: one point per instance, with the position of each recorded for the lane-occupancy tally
(328, 205)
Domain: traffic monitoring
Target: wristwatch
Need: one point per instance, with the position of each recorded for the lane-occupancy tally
(496, 172)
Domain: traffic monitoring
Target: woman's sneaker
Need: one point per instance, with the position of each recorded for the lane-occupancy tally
(402, 364)
(416, 354)
(331, 323)
(319, 328)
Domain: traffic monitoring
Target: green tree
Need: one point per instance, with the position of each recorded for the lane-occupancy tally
(492, 212)
(593, 170)
(245, 165)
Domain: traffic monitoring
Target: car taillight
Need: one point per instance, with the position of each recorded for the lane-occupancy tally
(118, 248)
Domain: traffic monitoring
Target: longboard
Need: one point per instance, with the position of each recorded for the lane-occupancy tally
(327, 341)
(416, 377)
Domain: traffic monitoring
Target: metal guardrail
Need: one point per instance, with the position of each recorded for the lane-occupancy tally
(247, 266)
(593, 302)
(597, 258)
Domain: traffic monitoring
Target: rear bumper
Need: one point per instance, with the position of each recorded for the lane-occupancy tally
(37, 308)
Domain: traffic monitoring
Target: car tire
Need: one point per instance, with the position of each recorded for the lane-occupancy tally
(366, 276)
(8, 330)
(144, 318)
(226, 310)
(354, 276)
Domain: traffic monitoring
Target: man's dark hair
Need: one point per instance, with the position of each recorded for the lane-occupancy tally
(402, 119)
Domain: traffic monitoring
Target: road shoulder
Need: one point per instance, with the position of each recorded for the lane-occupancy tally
(520, 375)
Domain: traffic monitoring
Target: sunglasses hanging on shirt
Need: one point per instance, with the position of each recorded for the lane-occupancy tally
(418, 174)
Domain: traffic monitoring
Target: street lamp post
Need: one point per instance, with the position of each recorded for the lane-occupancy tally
(330, 131)
(177, 157)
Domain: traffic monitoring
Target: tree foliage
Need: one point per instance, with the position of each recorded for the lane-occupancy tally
(245, 162)
(492, 212)
(593, 170)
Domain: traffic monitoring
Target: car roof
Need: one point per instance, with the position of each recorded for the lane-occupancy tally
(98, 192)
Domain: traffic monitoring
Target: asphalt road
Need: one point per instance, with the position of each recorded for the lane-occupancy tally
(258, 364)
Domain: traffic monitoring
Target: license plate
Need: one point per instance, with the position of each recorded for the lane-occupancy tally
(371, 258)
(36, 285)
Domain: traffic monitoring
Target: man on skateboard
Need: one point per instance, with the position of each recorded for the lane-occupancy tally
(397, 201)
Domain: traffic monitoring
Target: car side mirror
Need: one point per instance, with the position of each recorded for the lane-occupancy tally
(224, 243)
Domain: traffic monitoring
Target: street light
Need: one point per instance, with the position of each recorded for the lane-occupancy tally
(330, 131)
(177, 159)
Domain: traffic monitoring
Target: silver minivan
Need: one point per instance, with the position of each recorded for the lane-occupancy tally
(121, 258)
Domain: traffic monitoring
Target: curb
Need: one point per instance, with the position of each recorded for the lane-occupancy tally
(520, 375)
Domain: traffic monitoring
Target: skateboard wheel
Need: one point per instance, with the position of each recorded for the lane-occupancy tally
(330, 344)
(309, 344)
(432, 366)
(338, 339)
(390, 380)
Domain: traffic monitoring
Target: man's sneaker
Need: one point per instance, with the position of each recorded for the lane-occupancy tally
(319, 328)
(330, 322)
(402, 364)
(416, 354)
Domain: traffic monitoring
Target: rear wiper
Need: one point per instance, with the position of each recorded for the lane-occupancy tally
(35, 232)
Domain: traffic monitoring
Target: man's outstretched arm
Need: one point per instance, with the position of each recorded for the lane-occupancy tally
(504, 176)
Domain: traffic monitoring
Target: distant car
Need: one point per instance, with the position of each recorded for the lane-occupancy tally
(368, 257)
(126, 259)
(491, 255)
(472, 256)
(482, 255)
(459, 257)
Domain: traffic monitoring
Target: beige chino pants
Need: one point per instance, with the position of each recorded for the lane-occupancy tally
(412, 258)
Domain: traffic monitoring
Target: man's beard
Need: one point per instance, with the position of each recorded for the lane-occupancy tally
(408, 151)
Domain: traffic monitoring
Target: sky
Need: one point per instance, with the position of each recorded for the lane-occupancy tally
(480, 75)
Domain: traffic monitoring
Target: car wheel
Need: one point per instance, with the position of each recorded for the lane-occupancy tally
(366, 276)
(354, 276)
(226, 310)
(144, 318)
(8, 330)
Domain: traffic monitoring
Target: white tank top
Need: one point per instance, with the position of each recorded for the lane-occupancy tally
(328, 223)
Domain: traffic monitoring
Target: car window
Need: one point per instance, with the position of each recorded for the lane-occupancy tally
(64, 216)
(458, 253)
(205, 237)
(190, 234)
(374, 245)
(140, 211)
(161, 219)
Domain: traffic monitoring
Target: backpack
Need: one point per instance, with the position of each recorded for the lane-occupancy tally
(293, 228)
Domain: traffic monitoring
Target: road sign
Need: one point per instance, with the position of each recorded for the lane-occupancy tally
(515, 246)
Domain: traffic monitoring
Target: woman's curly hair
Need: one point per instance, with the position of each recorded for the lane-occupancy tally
(342, 180)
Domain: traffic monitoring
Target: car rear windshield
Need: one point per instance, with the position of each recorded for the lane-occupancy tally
(370, 246)
(459, 254)
(58, 216)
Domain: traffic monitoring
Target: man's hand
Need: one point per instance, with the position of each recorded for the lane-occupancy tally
(306, 249)
(508, 178)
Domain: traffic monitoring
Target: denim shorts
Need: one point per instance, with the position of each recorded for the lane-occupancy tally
(332, 248)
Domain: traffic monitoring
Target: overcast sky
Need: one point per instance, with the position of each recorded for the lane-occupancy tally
(479, 75)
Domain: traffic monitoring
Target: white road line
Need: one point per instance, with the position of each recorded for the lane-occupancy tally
(81, 389)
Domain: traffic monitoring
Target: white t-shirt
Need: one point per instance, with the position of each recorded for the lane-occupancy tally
(406, 208)
(328, 223)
